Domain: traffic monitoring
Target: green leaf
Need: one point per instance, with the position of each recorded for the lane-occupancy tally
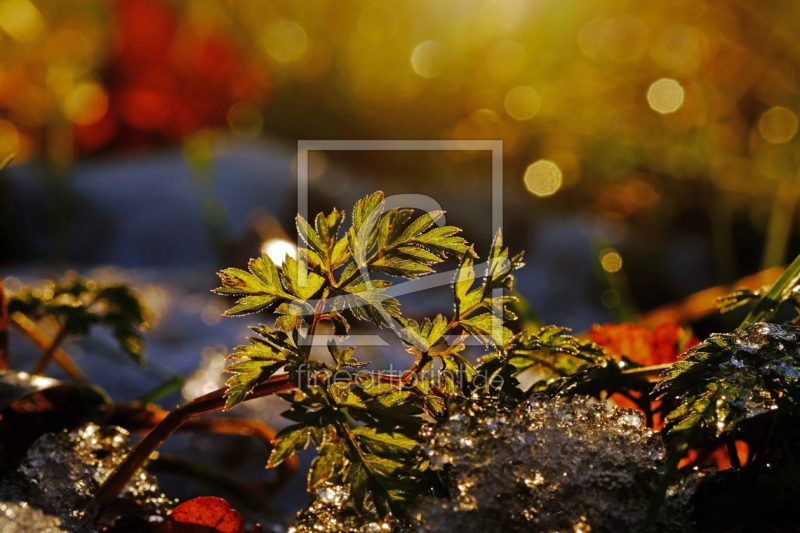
(292, 315)
(261, 361)
(329, 463)
(261, 286)
(79, 304)
(298, 280)
(366, 300)
(394, 398)
(344, 358)
(416, 228)
(358, 479)
(730, 381)
(409, 252)
(466, 299)
(488, 327)
(288, 441)
(309, 236)
(327, 252)
(397, 265)
(366, 208)
(362, 234)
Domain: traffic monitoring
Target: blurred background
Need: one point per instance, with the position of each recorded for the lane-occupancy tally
(650, 149)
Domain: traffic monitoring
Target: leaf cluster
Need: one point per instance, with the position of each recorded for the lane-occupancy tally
(366, 425)
(550, 356)
(78, 304)
(730, 383)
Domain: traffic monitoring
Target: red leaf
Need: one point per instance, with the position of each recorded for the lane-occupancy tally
(203, 515)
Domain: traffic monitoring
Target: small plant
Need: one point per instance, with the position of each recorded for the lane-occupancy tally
(366, 426)
(377, 434)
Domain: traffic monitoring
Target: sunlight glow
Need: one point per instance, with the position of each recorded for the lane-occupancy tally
(277, 249)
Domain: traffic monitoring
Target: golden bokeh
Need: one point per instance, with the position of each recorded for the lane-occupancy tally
(428, 59)
(778, 125)
(86, 103)
(21, 20)
(665, 96)
(522, 103)
(543, 178)
(610, 260)
(286, 41)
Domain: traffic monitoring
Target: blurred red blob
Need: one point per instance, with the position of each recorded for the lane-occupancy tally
(657, 347)
(167, 80)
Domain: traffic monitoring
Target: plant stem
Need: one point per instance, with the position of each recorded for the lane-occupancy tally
(318, 317)
(4, 325)
(137, 417)
(47, 356)
(214, 401)
(31, 331)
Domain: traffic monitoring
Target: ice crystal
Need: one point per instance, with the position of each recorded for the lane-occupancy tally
(549, 465)
(332, 511)
(21, 518)
(62, 471)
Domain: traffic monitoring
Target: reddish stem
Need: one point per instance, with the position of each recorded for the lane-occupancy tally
(47, 356)
(32, 332)
(136, 417)
(214, 401)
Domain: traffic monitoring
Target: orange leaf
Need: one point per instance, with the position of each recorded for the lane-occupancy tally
(203, 515)
(662, 345)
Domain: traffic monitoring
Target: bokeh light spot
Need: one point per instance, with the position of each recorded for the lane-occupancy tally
(9, 138)
(592, 36)
(610, 260)
(245, 120)
(21, 20)
(286, 41)
(277, 249)
(86, 103)
(522, 103)
(778, 125)
(378, 22)
(428, 59)
(543, 178)
(665, 96)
